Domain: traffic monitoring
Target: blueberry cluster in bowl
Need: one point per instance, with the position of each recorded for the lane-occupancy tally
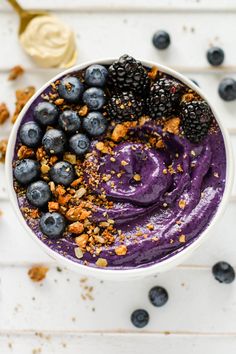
(84, 108)
(57, 131)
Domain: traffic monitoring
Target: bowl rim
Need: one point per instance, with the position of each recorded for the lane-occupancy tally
(121, 273)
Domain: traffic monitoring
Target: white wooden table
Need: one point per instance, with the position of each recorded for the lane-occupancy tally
(51, 317)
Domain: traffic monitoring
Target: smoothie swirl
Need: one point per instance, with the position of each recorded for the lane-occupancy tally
(145, 179)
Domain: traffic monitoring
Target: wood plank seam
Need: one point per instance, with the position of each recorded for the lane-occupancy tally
(116, 332)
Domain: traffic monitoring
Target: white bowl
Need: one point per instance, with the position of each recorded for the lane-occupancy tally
(162, 266)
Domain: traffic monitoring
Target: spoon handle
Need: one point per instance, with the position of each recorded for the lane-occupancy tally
(16, 7)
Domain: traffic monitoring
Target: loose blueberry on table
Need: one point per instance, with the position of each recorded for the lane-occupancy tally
(215, 56)
(140, 318)
(161, 40)
(223, 272)
(227, 89)
(158, 296)
(119, 166)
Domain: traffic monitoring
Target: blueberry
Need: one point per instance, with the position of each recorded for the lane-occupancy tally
(223, 272)
(158, 296)
(94, 98)
(69, 121)
(227, 89)
(26, 171)
(161, 40)
(215, 56)
(79, 144)
(52, 225)
(71, 89)
(62, 173)
(140, 318)
(46, 113)
(96, 75)
(94, 124)
(195, 82)
(54, 141)
(38, 194)
(31, 134)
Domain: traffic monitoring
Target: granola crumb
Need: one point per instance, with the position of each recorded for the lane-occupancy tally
(160, 144)
(83, 111)
(45, 168)
(59, 101)
(172, 126)
(4, 113)
(143, 120)
(153, 73)
(34, 213)
(76, 227)
(80, 192)
(15, 72)
(106, 178)
(121, 130)
(3, 149)
(53, 206)
(182, 238)
(150, 227)
(100, 145)
(121, 250)
(82, 240)
(124, 163)
(22, 97)
(179, 168)
(52, 186)
(36, 351)
(25, 152)
(102, 262)
(182, 203)
(188, 97)
(171, 170)
(78, 252)
(137, 177)
(37, 273)
(71, 158)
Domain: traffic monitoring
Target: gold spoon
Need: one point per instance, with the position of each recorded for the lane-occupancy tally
(25, 15)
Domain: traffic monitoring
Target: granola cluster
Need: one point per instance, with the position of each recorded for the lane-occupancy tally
(22, 96)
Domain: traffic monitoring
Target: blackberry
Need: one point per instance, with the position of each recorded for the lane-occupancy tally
(163, 98)
(196, 120)
(129, 74)
(124, 107)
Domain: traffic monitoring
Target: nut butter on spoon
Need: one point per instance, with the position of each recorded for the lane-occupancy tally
(48, 41)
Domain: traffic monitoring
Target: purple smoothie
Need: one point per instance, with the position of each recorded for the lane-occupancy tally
(159, 215)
